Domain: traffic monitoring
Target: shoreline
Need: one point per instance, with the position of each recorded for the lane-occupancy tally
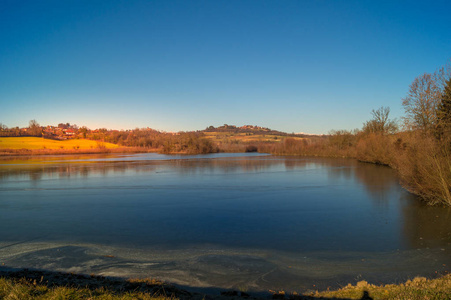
(48, 282)
(210, 270)
(41, 152)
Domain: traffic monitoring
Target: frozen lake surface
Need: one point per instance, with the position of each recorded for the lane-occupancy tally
(243, 221)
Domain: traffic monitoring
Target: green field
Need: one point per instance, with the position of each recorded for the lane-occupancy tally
(36, 143)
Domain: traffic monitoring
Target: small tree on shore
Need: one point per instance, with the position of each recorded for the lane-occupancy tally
(380, 123)
(34, 128)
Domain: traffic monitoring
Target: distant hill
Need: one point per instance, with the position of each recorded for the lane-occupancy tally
(250, 129)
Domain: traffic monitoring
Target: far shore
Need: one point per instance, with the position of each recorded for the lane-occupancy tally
(40, 152)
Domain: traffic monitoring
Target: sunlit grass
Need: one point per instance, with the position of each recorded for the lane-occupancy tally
(36, 143)
(22, 289)
(417, 289)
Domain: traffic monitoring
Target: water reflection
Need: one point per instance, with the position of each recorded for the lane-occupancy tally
(307, 213)
(73, 167)
(287, 178)
(427, 226)
(378, 181)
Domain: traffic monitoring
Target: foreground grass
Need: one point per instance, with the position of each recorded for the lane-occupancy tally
(419, 288)
(35, 143)
(24, 290)
(52, 285)
(47, 287)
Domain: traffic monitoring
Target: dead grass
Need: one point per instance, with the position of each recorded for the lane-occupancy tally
(42, 285)
(417, 289)
(23, 289)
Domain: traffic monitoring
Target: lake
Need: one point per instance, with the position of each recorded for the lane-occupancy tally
(252, 222)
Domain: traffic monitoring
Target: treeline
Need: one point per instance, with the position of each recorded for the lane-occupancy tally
(420, 152)
(63, 131)
(12, 132)
(182, 142)
(146, 138)
(34, 129)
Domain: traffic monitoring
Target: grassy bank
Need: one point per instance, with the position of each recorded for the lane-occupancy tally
(184, 144)
(28, 152)
(419, 288)
(50, 285)
(36, 143)
(44, 285)
(11, 146)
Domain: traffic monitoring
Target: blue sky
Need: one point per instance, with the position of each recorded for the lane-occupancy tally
(295, 66)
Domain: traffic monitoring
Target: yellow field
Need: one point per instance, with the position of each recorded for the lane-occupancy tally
(34, 143)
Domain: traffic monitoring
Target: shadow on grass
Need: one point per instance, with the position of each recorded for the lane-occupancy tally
(120, 286)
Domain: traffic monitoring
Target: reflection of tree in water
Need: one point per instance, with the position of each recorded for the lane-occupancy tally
(67, 170)
(84, 171)
(182, 166)
(426, 226)
(32, 172)
(423, 226)
(35, 175)
(313, 162)
(378, 180)
(295, 163)
(223, 165)
(340, 167)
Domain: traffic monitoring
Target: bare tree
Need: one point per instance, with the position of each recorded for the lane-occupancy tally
(444, 112)
(442, 75)
(34, 128)
(83, 130)
(424, 98)
(380, 123)
(422, 102)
